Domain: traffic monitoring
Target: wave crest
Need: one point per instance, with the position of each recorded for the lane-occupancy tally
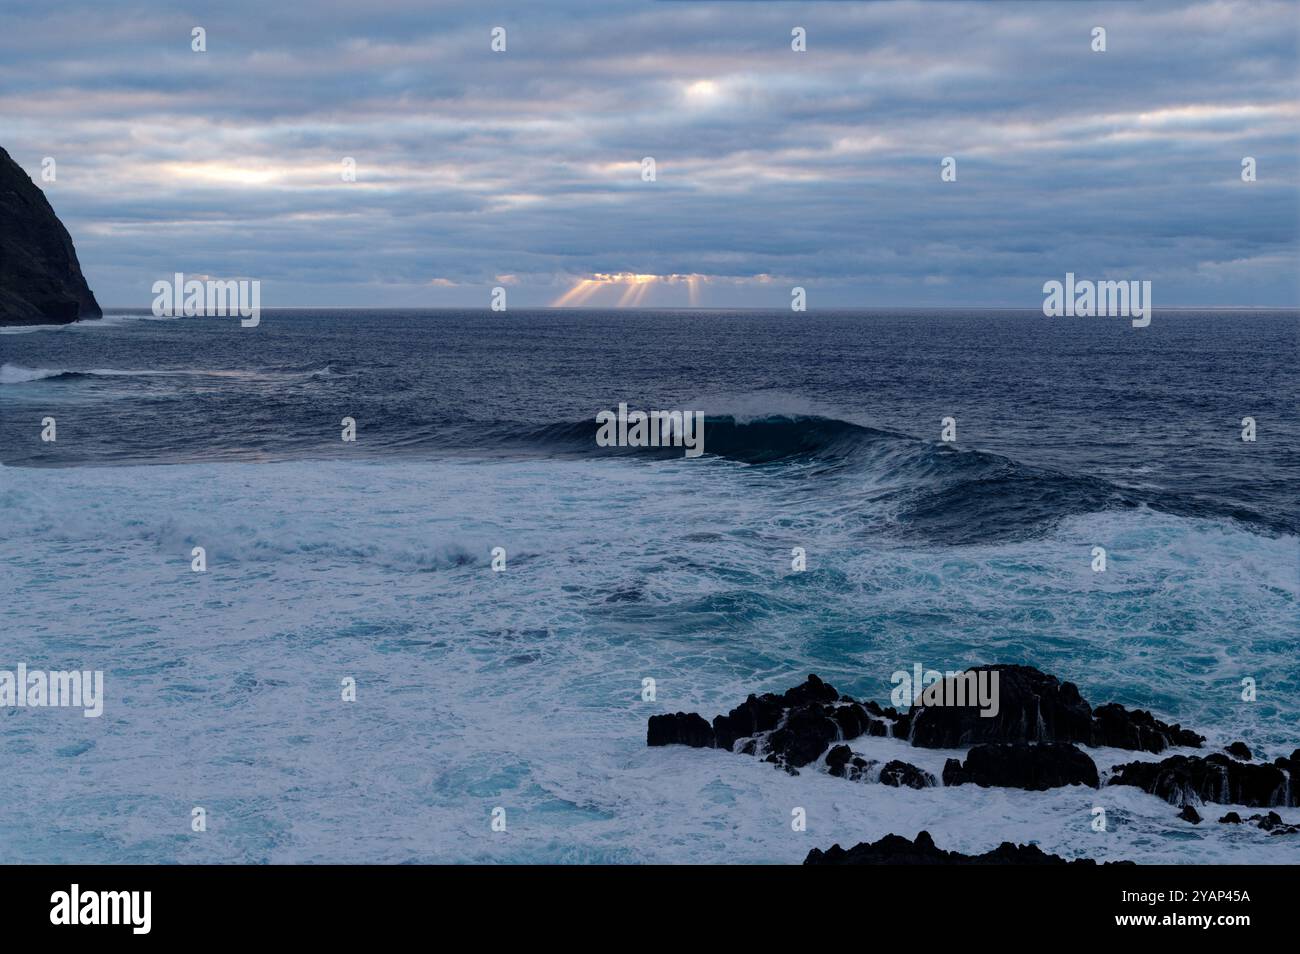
(17, 374)
(923, 488)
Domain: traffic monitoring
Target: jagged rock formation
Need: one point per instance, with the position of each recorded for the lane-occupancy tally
(1029, 742)
(1271, 823)
(1181, 779)
(1035, 768)
(905, 774)
(1037, 707)
(40, 277)
(680, 728)
(897, 850)
(1239, 750)
(791, 729)
(843, 762)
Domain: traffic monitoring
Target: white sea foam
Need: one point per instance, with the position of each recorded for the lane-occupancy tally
(29, 329)
(108, 321)
(522, 689)
(115, 320)
(17, 374)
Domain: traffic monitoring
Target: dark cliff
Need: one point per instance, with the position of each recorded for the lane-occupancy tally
(40, 278)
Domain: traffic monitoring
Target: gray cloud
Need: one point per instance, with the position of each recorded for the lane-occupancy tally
(774, 167)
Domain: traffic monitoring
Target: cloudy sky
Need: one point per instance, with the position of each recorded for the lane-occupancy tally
(774, 168)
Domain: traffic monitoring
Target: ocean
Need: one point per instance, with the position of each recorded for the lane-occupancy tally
(522, 689)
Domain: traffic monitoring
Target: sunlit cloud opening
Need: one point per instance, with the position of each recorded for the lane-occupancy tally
(702, 92)
(632, 288)
(220, 173)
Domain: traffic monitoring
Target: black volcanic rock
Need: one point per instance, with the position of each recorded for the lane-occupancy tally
(1021, 765)
(1029, 743)
(1116, 726)
(1215, 778)
(897, 850)
(794, 728)
(1032, 707)
(842, 762)
(1271, 823)
(1239, 750)
(762, 713)
(790, 729)
(756, 714)
(906, 775)
(1190, 814)
(802, 738)
(680, 728)
(857, 718)
(40, 277)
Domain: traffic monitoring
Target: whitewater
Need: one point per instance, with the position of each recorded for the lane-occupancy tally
(522, 689)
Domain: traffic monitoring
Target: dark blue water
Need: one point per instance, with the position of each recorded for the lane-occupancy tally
(1054, 416)
(521, 689)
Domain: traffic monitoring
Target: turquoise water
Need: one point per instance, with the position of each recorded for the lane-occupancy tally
(522, 689)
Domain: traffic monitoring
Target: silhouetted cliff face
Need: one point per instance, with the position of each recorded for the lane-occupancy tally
(40, 279)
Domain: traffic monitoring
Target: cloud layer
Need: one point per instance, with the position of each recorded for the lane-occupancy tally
(773, 167)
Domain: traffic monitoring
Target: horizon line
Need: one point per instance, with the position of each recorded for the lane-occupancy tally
(704, 308)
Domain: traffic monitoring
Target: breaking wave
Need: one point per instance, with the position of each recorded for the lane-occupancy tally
(929, 488)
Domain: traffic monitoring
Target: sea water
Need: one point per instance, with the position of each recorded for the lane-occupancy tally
(523, 689)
